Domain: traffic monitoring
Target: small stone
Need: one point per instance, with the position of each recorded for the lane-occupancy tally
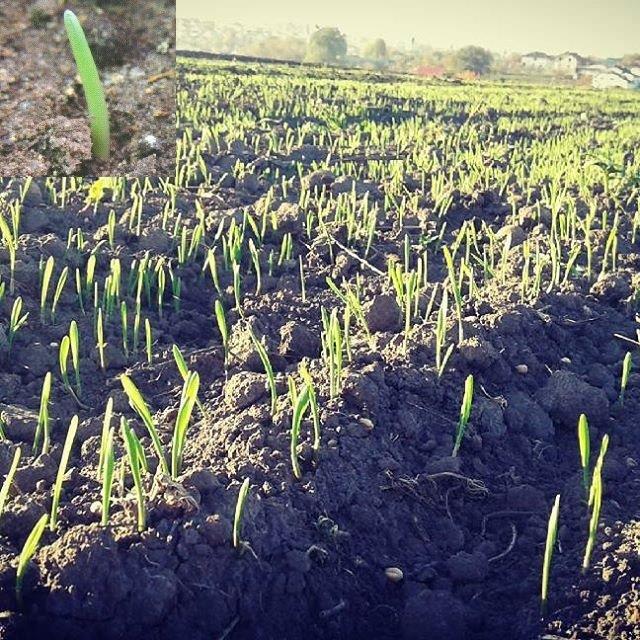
(149, 144)
(394, 574)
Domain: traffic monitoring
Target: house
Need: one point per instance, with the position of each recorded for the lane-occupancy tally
(565, 64)
(537, 60)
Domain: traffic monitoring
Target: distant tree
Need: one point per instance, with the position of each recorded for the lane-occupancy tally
(326, 45)
(474, 59)
(376, 50)
(631, 60)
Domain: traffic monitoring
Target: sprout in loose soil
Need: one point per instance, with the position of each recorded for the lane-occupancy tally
(93, 91)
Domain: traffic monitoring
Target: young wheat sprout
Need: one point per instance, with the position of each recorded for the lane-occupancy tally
(584, 444)
(93, 91)
(237, 518)
(28, 551)
(465, 413)
(62, 471)
(552, 533)
(6, 485)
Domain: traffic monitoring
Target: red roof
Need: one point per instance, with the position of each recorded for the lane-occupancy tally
(430, 72)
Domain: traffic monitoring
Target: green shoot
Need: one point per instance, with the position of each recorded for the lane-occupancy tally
(224, 330)
(552, 533)
(16, 321)
(100, 343)
(28, 551)
(140, 407)
(595, 503)
(300, 404)
(184, 372)
(268, 369)
(93, 91)
(106, 425)
(237, 518)
(74, 342)
(148, 340)
(44, 291)
(136, 464)
(313, 401)
(626, 371)
(585, 450)
(63, 360)
(62, 471)
(108, 464)
(6, 485)
(58, 292)
(187, 402)
(43, 428)
(465, 413)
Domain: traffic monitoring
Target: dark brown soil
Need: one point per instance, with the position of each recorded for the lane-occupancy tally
(45, 128)
(467, 533)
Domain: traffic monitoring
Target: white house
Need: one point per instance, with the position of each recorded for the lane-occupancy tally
(537, 60)
(565, 64)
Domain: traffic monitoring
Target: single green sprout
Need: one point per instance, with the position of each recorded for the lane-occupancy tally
(93, 91)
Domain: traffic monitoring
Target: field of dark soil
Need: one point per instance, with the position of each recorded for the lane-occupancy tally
(385, 535)
(45, 128)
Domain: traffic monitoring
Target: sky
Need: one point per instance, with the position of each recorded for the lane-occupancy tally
(605, 28)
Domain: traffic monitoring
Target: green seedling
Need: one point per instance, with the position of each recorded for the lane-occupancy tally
(187, 402)
(148, 338)
(58, 292)
(224, 330)
(63, 360)
(136, 464)
(6, 485)
(237, 518)
(552, 534)
(62, 471)
(584, 443)
(43, 427)
(108, 464)
(138, 404)
(106, 426)
(100, 343)
(93, 91)
(184, 373)
(313, 402)
(626, 371)
(74, 343)
(28, 551)
(595, 503)
(16, 321)
(300, 404)
(44, 290)
(465, 413)
(268, 369)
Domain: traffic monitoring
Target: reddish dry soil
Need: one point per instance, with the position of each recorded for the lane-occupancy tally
(45, 129)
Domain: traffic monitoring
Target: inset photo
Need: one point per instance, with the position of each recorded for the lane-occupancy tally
(87, 88)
